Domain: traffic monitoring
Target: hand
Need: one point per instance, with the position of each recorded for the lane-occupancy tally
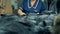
(23, 14)
(20, 12)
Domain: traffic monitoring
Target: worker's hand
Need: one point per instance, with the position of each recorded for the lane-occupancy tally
(20, 12)
(23, 14)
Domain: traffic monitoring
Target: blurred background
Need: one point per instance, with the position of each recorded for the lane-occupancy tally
(9, 6)
(12, 6)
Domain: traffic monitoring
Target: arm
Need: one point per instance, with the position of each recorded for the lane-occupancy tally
(43, 7)
(20, 12)
(21, 7)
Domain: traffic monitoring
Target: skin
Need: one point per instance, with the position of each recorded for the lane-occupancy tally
(20, 12)
(33, 2)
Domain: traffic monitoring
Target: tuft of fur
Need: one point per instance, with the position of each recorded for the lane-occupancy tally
(56, 28)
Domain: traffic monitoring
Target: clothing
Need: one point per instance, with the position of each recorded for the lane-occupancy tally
(27, 8)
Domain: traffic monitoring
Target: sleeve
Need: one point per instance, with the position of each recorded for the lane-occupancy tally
(22, 5)
(42, 7)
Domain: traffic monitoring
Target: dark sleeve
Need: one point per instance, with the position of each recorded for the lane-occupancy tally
(42, 7)
(22, 5)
